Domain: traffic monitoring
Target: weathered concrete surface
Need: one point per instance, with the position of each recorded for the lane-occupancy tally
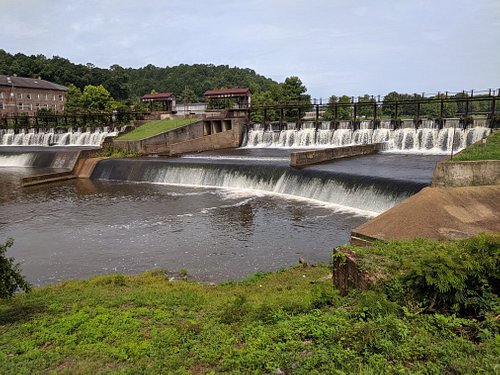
(436, 213)
(346, 273)
(466, 173)
(224, 139)
(302, 158)
(46, 178)
(85, 167)
(82, 168)
(208, 134)
(161, 143)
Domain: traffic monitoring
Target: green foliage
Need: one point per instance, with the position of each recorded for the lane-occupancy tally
(116, 153)
(489, 150)
(11, 278)
(128, 83)
(458, 276)
(155, 127)
(96, 99)
(291, 92)
(292, 320)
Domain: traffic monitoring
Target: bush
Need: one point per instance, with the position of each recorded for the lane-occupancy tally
(11, 278)
(460, 276)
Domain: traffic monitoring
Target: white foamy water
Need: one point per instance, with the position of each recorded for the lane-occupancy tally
(34, 137)
(426, 139)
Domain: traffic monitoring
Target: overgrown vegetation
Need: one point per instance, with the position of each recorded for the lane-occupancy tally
(487, 150)
(116, 153)
(155, 127)
(11, 278)
(291, 321)
(460, 277)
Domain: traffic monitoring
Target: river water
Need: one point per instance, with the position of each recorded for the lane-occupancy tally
(219, 215)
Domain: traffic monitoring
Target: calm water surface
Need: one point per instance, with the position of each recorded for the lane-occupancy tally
(80, 228)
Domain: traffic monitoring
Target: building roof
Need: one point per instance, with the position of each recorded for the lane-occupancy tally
(227, 92)
(30, 83)
(159, 96)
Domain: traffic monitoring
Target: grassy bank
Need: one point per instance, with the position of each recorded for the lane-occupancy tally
(155, 127)
(292, 321)
(490, 150)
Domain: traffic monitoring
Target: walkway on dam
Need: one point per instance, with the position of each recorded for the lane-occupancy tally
(436, 213)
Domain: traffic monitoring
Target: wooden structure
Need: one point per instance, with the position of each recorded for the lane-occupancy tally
(161, 102)
(241, 97)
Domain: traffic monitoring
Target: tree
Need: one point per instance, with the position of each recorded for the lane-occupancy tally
(365, 108)
(73, 99)
(96, 99)
(294, 92)
(11, 278)
(344, 111)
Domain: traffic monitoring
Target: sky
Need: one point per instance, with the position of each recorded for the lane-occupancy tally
(334, 46)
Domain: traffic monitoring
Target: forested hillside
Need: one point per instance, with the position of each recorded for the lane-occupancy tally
(129, 83)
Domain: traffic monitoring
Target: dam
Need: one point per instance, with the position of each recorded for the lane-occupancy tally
(221, 215)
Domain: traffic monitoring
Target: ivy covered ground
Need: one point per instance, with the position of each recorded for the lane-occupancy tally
(428, 315)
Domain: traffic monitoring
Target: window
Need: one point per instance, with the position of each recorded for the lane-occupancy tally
(1, 94)
(20, 96)
(37, 106)
(20, 106)
(46, 96)
(38, 96)
(31, 106)
(28, 96)
(61, 98)
(54, 98)
(1, 106)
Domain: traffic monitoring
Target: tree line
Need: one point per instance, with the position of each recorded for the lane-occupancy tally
(94, 89)
(129, 84)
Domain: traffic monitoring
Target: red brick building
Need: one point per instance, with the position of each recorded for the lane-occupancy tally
(20, 95)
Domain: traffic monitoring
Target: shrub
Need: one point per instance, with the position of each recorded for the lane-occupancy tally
(11, 278)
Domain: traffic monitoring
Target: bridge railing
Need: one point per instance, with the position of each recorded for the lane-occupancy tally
(465, 107)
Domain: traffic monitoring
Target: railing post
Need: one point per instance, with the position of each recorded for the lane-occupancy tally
(317, 116)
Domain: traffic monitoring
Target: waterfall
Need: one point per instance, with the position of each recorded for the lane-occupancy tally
(40, 159)
(367, 194)
(51, 137)
(427, 138)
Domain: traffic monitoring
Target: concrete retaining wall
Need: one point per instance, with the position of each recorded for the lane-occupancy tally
(82, 167)
(466, 173)
(161, 143)
(346, 273)
(221, 135)
(302, 158)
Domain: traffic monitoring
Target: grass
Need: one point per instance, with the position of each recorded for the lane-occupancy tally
(152, 128)
(490, 150)
(290, 321)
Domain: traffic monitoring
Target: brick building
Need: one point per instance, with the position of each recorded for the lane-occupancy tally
(20, 95)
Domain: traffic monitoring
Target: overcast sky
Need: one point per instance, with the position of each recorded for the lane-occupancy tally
(334, 46)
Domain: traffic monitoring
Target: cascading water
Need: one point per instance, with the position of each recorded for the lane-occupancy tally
(427, 138)
(369, 195)
(40, 137)
(39, 159)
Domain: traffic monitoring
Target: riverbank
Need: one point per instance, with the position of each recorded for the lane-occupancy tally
(291, 321)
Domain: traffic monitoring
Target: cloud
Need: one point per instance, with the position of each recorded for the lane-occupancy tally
(334, 46)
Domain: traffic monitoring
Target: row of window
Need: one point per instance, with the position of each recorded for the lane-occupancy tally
(29, 96)
(24, 107)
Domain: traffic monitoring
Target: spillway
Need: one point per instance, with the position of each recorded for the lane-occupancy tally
(39, 159)
(369, 194)
(428, 138)
(51, 137)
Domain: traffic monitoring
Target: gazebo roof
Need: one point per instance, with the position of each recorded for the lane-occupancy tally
(158, 96)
